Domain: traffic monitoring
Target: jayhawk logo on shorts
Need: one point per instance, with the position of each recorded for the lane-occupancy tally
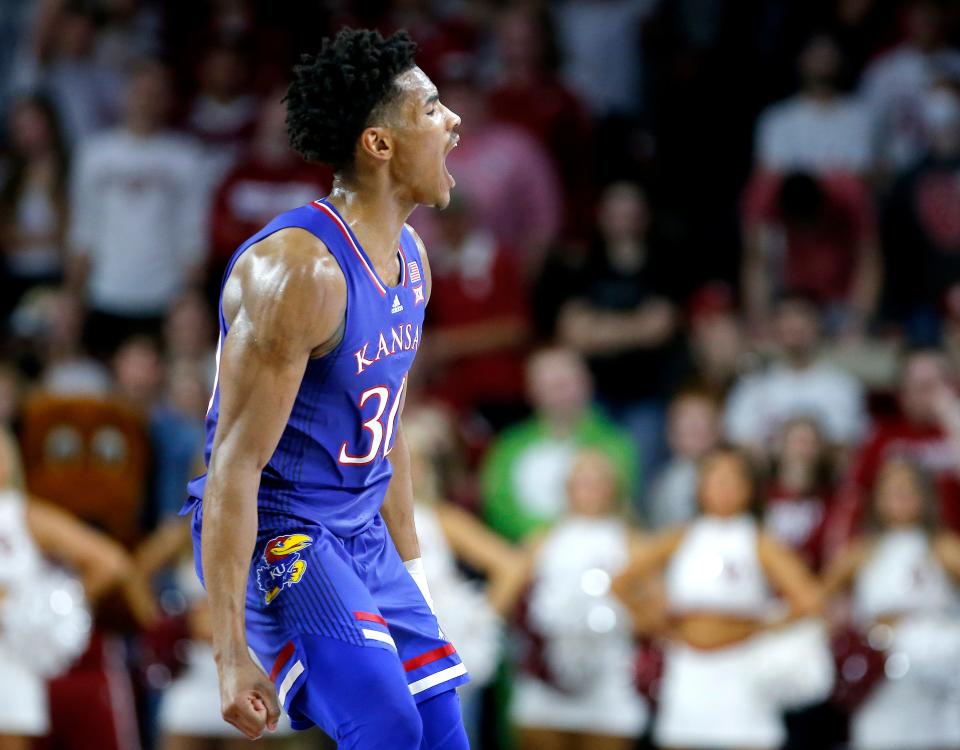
(282, 564)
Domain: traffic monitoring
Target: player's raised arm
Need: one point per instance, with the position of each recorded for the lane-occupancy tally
(283, 302)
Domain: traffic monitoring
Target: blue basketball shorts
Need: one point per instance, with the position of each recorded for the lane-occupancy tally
(305, 582)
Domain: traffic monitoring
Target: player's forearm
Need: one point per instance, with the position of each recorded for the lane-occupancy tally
(397, 509)
(227, 542)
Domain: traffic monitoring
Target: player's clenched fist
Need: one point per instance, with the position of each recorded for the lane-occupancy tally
(247, 698)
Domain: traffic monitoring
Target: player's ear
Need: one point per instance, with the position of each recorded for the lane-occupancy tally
(377, 143)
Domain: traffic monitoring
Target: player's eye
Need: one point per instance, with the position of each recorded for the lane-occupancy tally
(432, 111)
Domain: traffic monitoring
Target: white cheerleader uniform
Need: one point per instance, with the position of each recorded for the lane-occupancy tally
(469, 620)
(917, 705)
(734, 696)
(588, 633)
(23, 691)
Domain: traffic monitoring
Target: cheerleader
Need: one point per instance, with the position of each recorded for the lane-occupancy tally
(472, 615)
(902, 579)
(44, 619)
(735, 655)
(584, 698)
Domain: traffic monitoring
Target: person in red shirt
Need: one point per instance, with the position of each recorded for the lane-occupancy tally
(824, 227)
(927, 432)
(269, 181)
(478, 320)
(800, 490)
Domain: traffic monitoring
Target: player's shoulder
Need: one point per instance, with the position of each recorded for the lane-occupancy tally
(293, 269)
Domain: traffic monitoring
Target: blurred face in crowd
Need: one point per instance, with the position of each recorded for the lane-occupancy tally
(519, 41)
(801, 443)
(692, 427)
(138, 370)
(592, 486)
(623, 214)
(924, 24)
(223, 74)
(820, 63)
(270, 141)
(30, 128)
(455, 223)
(75, 35)
(924, 378)
(797, 327)
(558, 385)
(187, 331)
(899, 495)
(9, 395)
(148, 97)
(726, 485)
(187, 390)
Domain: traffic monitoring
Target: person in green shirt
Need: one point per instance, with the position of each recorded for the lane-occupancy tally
(525, 470)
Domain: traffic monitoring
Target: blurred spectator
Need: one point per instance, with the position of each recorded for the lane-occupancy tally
(814, 234)
(51, 324)
(529, 93)
(584, 696)
(224, 111)
(85, 90)
(800, 490)
(903, 575)
(11, 392)
(527, 465)
(33, 201)
(716, 340)
(801, 384)
(732, 662)
(927, 432)
(271, 179)
(621, 317)
(478, 320)
(894, 84)
(503, 172)
(40, 605)
(921, 225)
(189, 335)
(819, 129)
(137, 216)
(177, 437)
(693, 430)
(138, 372)
(602, 56)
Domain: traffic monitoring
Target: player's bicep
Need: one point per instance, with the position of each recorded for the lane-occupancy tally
(259, 378)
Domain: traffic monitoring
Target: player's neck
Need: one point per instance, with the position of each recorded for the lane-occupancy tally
(374, 212)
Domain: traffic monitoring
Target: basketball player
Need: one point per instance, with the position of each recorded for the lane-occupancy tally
(303, 523)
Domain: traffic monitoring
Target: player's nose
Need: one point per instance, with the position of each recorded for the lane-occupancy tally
(453, 120)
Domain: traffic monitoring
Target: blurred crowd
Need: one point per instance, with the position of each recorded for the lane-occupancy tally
(685, 420)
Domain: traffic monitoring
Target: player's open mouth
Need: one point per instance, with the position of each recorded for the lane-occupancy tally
(453, 144)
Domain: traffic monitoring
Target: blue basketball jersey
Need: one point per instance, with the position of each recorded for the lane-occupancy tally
(330, 466)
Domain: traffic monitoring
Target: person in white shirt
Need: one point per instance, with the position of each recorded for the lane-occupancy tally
(138, 208)
(894, 85)
(819, 129)
(800, 384)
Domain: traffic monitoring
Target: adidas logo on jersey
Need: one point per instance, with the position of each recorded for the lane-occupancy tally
(397, 307)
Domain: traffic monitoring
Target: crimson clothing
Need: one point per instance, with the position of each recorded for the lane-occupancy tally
(798, 520)
(819, 259)
(925, 445)
(253, 193)
(922, 234)
(478, 284)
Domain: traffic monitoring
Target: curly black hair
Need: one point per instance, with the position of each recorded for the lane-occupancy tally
(335, 92)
